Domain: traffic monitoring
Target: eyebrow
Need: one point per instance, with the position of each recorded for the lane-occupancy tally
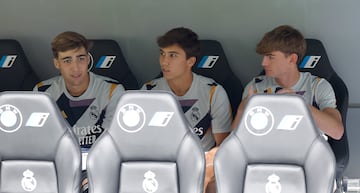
(269, 54)
(81, 55)
(66, 57)
(171, 52)
(69, 57)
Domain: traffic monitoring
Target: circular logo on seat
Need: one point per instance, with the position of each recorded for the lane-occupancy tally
(131, 118)
(10, 118)
(259, 121)
(91, 63)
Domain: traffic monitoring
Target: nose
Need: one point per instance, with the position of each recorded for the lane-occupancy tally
(76, 65)
(264, 61)
(163, 60)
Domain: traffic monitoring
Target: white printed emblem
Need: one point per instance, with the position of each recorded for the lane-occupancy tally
(28, 182)
(310, 61)
(161, 119)
(290, 122)
(7, 61)
(37, 119)
(105, 61)
(131, 118)
(259, 121)
(10, 118)
(150, 184)
(208, 62)
(273, 185)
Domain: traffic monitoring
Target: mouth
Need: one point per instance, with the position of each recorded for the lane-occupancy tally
(267, 70)
(76, 76)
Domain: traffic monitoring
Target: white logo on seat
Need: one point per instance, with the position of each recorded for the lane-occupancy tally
(28, 182)
(259, 121)
(150, 184)
(273, 185)
(290, 122)
(131, 118)
(7, 61)
(161, 119)
(105, 62)
(10, 118)
(310, 61)
(37, 119)
(208, 62)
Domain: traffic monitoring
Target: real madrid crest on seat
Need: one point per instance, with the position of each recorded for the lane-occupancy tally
(276, 148)
(148, 148)
(34, 139)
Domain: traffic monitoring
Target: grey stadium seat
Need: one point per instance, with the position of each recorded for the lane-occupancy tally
(317, 63)
(16, 72)
(149, 147)
(38, 150)
(107, 60)
(276, 148)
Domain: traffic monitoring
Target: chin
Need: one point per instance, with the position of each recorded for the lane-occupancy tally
(269, 74)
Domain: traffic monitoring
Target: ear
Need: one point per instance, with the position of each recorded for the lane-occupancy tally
(294, 58)
(56, 63)
(191, 61)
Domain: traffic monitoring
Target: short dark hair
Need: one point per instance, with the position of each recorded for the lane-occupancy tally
(67, 41)
(184, 37)
(283, 38)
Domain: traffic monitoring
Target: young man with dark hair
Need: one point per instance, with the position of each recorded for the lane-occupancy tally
(87, 101)
(205, 103)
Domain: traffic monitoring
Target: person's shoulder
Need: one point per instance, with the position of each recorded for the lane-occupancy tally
(153, 83)
(205, 80)
(313, 78)
(103, 78)
(105, 81)
(45, 84)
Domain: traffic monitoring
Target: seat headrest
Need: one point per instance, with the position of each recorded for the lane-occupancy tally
(214, 64)
(141, 118)
(270, 121)
(15, 71)
(316, 60)
(32, 120)
(107, 60)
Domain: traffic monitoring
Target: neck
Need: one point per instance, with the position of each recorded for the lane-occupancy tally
(180, 86)
(78, 89)
(75, 92)
(289, 79)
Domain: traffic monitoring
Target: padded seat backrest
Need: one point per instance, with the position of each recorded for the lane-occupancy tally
(214, 64)
(15, 70)
(317, 63)
(108, 60)
(149, 147)
(276, 148)
(38, 151)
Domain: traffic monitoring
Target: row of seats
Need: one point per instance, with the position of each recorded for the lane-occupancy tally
(107, 60)
(154, 150)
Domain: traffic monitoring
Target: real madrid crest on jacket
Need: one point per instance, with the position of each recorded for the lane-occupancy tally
(206, 107)
(88, 114)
